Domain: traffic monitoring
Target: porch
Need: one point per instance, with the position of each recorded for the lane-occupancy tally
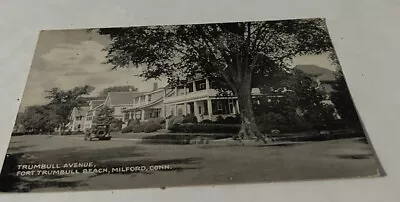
(141, 114)
(208, 108)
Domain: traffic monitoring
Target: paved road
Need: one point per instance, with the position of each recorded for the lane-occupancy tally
(188, 164)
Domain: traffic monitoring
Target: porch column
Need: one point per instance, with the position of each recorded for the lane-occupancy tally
(165, 111)
(196, 108)
(176, 91)
(176, 110)
(207, 84)
(194, 86)
(185, 108)
(184, 90)
(237, 106)
(130, 114)
(234, 106)
(209, 107)
(142, 115)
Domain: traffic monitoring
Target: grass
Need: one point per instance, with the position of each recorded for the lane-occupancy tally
(190, 164)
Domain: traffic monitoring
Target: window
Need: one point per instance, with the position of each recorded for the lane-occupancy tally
(172, 111)
(231, 106)
(219, 105)
(202, 86)
(180, 111)
(189, 87)
(127, 115)
(149, 98)
(137, 100)
(157, 112)
(200, 112)
(213, 84)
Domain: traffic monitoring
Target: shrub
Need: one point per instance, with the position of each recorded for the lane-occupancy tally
(116, 125)
(181, 139)
(159, 120)
(151, 127)
(220, 120)
(139, 128)
(206, 121)
(175, 120)
(205, 128)
(133, 122)
(127, 129)
(232, 120)
(190, 118)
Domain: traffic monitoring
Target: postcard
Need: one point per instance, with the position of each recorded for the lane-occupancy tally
(186, 105)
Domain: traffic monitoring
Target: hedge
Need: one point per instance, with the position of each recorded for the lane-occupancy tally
(190, 118)
(205, 128)
(127, 129)
(181, 139)
(151, 127)
(139, 128)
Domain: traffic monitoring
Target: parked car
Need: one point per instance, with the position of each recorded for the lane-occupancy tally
(100, 132)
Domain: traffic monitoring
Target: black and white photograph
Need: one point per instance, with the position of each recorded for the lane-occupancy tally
(186, 105)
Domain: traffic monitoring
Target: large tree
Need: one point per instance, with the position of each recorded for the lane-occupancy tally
(37, 119)
(298, 98)
(341, 96)
(62, 102)
(344, 103)
(239, 54)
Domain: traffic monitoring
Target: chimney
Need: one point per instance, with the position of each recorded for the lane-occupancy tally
(155, 86)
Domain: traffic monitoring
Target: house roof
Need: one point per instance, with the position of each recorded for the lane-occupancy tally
(96, 103)
(122, 98)
(81, 111)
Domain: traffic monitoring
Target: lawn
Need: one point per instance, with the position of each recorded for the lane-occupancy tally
(190, 164)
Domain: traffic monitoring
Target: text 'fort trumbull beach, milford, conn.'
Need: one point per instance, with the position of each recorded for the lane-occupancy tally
(82, 168)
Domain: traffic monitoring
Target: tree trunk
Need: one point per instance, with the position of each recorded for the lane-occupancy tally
(249, 129)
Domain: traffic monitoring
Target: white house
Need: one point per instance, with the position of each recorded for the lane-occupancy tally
(78, 116)
(199, 97)
(94, 108)
(147, 105)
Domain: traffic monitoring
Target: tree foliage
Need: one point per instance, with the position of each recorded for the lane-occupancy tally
(104, 117)
(238, 54)
(63, 102)
(37, 119)
(296, 98)
(344, 103)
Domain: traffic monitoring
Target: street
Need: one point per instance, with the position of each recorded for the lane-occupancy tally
(187, 164)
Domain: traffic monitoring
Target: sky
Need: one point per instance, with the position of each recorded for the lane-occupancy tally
(71, 58)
